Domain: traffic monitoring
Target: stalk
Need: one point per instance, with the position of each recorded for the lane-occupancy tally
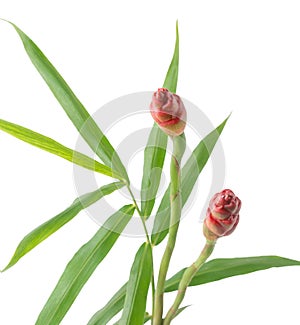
(175, 214)
(187, 278)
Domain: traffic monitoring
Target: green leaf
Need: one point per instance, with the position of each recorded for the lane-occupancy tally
(77, 113)
(155, 151)
(112, 308)
(219, 269)
(222, 268)
(137, 287)
(154, 157)
(42, 232)
(190, 173)
(50, 145)
(172, 74)
(81, 267)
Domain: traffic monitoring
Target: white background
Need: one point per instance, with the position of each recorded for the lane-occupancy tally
(239, 56)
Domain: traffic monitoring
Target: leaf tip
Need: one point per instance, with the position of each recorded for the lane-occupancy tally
(6, 267)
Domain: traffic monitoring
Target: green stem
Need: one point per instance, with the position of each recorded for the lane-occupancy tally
(187, 278)
(175, 214)
(140, 214)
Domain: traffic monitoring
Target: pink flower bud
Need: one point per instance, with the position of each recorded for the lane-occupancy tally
(222, 215)
(168, 111)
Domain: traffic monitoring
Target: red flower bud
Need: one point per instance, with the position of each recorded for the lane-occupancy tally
(222, 215)
(168, 111)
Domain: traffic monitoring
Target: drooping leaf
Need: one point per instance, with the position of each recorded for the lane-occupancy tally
(52, 146)
(81, 267)
(77, 113)
(45, 230)
(111, 309)
(190, 173)
(155, 151)
(222, 268)
(137, 287)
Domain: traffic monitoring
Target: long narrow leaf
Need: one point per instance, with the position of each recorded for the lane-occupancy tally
(137, 287)
(190, 173)
(219, 269)
(81, 267)
(154, 157)
(222, 268)
(112, 308)
(45, 230)
(52, 146)
(155, 151)
(77, 113)
(171, 78)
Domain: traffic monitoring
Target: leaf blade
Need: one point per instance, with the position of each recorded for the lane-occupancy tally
(190, 173)
(209, 274)
(81, 267)
(137, 287)
(76, 112)
(222, 268)
(171, 78)
(39, 234)
(154, 157)
(155, 150)
(45, 143)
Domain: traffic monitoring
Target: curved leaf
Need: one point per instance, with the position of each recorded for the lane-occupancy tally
(222, 268)
(81, 267)
(155, 151)
(77, 113)
(45, 230)
(190, 173)
(52, 146)
(137, 287)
